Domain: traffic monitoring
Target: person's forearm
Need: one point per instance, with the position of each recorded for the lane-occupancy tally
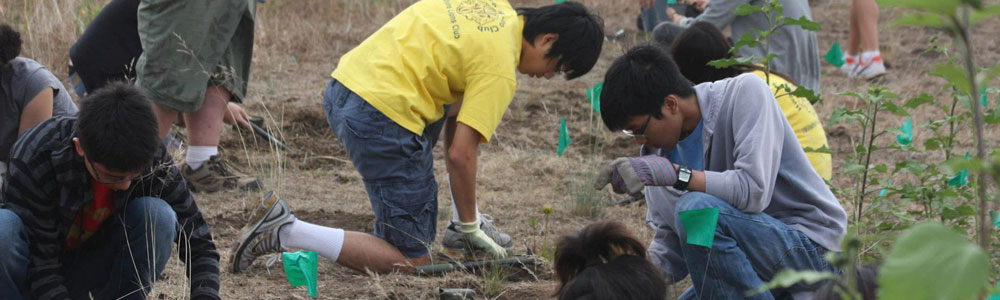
(462, 172)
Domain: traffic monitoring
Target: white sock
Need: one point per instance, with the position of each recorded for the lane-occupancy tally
(198, 155)
(303, 235)
(868, 56)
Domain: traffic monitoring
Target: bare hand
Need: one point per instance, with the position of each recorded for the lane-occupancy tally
(674, 16)
(235, 114)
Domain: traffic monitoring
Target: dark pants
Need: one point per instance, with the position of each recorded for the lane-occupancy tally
(115, 263)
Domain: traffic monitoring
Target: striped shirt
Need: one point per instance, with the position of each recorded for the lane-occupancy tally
(48, 185)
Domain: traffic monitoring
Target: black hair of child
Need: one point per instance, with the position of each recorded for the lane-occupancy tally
(605, 261)
(581, 34)
(117, 128)
(637, 84)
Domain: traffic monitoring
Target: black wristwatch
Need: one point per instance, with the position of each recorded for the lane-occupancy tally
(683, 178)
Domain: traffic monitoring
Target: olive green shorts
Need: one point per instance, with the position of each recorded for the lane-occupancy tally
(191, 44)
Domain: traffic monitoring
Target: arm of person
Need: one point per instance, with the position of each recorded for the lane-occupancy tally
(462, 144)
(202, 258)
(37, 110)
(758, 136)
(34, 200)
(718, 12)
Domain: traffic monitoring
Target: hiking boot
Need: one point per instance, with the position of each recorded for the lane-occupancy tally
(260, 236)
(214, 176)
(454, 240)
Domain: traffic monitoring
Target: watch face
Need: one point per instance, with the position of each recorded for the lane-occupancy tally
(684, 176)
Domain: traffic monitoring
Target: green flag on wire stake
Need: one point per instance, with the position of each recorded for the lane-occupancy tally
(835, 56)
(300, 268)
(560, 1)
(594, 94)
(982, 98)
(962, 178)
(699, 224)
(907, 136)
(563, 137)
(996, 218)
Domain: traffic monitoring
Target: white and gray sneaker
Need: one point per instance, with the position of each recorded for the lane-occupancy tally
(260, 236)
(454, 240)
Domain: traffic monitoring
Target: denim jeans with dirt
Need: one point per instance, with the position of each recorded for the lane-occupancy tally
(748, 250)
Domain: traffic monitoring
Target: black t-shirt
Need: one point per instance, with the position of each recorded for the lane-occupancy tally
(109, 47)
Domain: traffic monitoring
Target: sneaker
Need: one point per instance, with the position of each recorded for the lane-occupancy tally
(214, 176)
(260, 236)
(870, 71)
(454, 240)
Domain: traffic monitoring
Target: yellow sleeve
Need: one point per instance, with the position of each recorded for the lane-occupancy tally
(485, 101)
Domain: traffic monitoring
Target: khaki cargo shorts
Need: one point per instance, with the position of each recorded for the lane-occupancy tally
(191, 44)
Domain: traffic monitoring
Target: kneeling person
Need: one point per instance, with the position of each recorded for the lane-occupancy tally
(437, 66)
(775, 211)
(93, 205)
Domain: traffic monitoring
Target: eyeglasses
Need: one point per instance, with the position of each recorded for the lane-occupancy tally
(642, 130)
(115, 180)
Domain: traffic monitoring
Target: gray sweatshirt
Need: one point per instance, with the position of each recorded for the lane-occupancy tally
(798, 53)
(753, 161)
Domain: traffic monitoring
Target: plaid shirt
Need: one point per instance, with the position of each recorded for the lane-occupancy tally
(48, 184)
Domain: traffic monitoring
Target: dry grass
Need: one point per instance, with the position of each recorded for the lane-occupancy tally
(298, 43)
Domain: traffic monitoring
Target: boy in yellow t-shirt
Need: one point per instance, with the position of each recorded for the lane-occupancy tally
(439, 64)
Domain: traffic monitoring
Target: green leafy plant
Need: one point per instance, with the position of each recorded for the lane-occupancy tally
(932, 261)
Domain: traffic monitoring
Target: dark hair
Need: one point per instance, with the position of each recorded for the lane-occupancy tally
(637, 83)
(665, 34)
(581, 34)
(117, 128)
(702, 43)
(10, 43)
(604, 261)
(866, 282)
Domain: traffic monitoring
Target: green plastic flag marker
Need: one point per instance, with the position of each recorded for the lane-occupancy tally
(300, 268)
(996, 219)
(560, 1)
(907, 136)
(594, 94)
(835, 56)
(671, 2)
(982, 98)
(883, 192)
(995, 296)
(962, 178)
(563, 137)
(699, 224)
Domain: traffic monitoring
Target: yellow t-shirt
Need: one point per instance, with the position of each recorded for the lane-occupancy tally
(805, 122)
(434, 53)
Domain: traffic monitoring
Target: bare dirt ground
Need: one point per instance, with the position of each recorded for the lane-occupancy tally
(298, 44)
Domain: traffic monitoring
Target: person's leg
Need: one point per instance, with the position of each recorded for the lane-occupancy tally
(866, 17)
(13, 256)
(123, 260)
(748, 250)
(205, 125)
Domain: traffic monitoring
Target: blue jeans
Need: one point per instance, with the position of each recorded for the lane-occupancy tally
(114, 263)
(397, 167)
(749, 249)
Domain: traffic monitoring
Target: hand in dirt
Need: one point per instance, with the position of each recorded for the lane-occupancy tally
(235, 114)
(631, 174)
(476, 238)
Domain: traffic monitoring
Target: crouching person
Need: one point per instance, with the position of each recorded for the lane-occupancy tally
(93, 205)
(775, 211)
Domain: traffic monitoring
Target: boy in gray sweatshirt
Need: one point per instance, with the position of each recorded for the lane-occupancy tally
(775, 211)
